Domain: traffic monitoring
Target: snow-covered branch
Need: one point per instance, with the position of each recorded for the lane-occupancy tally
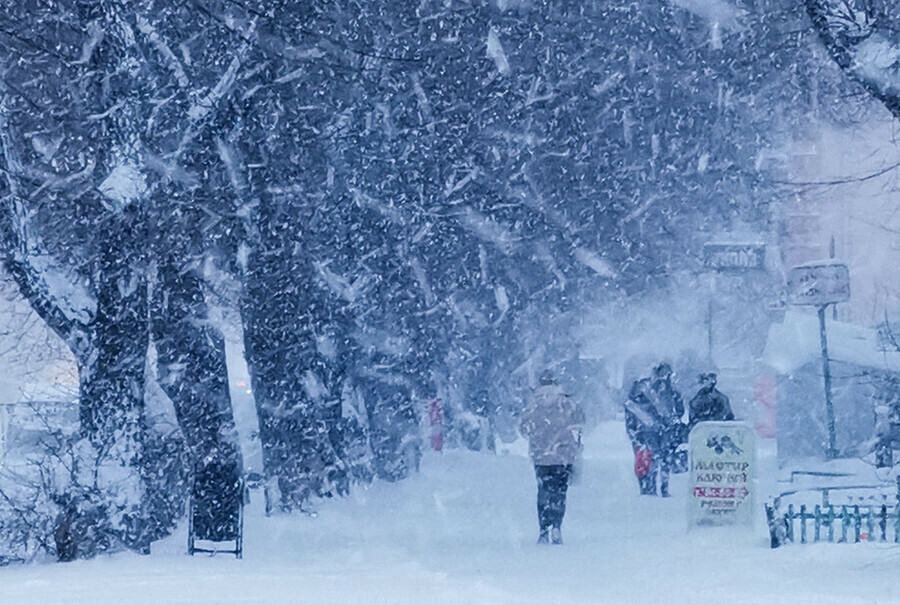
(342, 286)
(200, 111)
(170, 59)
(487, 229)
(863, 44)
(60, 299)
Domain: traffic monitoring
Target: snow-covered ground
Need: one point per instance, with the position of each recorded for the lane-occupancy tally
(463, 532)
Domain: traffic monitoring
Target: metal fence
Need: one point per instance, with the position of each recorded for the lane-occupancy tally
(875, 517)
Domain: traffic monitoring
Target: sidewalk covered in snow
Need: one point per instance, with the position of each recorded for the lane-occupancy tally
(463, 531)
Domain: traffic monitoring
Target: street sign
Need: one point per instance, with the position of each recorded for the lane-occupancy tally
(819, 284)
(722, 466)
(734, 257)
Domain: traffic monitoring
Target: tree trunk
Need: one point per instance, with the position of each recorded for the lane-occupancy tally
(280, 347)
(192, 371)
(112, 375)
(191, 361)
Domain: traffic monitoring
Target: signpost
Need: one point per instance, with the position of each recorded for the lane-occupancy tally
(723, 466)
(216, 511)
(728, 258)
(436, 422)
(820, 285)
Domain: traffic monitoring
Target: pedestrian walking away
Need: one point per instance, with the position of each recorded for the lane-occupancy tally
(552, 422)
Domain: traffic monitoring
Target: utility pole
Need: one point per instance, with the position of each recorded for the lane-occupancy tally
(831, 451)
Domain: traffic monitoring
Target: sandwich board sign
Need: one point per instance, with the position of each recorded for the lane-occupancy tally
(722, 471)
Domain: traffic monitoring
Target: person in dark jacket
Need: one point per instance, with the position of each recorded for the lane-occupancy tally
(671, 407)
(644, 427)
(653, 420)
(709, 403)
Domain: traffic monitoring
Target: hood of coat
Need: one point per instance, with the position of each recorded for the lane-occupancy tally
(552, 422)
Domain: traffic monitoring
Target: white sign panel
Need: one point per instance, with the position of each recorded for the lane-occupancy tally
(722, 466)
(819, 284)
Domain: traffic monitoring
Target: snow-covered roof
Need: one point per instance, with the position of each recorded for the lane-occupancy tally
(795, 342)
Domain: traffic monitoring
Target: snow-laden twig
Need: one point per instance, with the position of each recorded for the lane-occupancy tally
(495, 52)
(171, 60)
(206, 105)
(340, 285)
(454, 185)
(488, 230)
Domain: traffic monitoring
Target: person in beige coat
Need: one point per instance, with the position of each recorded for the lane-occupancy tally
(552, 423)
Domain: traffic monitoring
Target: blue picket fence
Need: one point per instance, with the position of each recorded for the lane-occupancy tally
(867, 521)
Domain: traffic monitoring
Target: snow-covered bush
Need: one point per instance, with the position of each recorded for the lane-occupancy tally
(66, 498)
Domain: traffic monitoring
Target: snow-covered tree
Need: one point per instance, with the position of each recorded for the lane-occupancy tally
(86, 146)
(406, 191)
(863, 38)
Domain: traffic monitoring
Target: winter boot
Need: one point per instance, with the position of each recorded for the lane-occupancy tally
(556, 536)
(544, 538)
(647, 486)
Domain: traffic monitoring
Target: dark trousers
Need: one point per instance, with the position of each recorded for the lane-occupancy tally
(662, 446)
(553, 482)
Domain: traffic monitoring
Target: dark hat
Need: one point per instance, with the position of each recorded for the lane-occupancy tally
(707, 377)
(638, 389)
(663, 370)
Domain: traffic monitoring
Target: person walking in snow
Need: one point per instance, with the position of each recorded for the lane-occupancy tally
(653, 414)
(670, 404)
(709, 403)
(644, 426)
(553, 424)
